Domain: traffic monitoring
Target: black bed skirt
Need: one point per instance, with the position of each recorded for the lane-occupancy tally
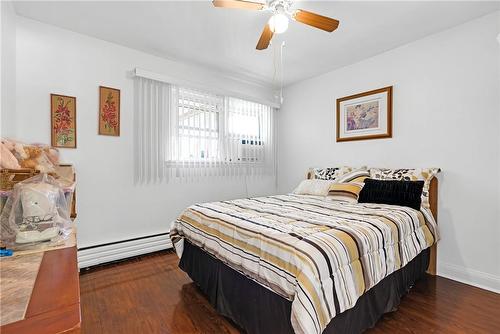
(258, 310)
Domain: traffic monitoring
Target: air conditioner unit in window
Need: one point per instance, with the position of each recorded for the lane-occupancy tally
(250, 150)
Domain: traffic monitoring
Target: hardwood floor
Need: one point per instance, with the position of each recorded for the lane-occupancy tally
(151, 295)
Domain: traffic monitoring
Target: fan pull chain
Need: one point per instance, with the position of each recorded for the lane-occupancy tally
(282, 70)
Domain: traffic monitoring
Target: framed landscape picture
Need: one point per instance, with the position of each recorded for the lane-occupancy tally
(63, 121)
(366, 115)
(109, 111)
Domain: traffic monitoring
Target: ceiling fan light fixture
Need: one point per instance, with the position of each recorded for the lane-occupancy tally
(281, 11)
(278, 23)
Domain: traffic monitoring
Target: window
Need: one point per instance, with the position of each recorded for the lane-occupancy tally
(186, 134)
(245, 130)
(216, 129)
(198, 125)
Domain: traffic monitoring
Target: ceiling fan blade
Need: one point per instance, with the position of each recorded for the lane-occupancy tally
(316, 20)
(265, 38)
(241, 4)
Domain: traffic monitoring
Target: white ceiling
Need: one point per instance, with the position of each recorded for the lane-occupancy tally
(225, 39)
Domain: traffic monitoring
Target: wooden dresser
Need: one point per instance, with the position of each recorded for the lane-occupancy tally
(54, 303)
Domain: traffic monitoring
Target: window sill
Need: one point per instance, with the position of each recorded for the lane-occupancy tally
(202, 163)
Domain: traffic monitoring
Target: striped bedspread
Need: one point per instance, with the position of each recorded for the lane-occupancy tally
(320, 254)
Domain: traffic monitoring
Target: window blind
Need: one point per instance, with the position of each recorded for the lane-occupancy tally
(190, 134)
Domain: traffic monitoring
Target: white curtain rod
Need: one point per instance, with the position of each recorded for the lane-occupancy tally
(139, 72)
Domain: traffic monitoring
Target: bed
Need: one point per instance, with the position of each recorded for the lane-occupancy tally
(305, 264)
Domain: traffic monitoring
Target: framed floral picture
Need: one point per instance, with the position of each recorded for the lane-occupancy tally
(109, 111)
(63, 121)
(366, 115)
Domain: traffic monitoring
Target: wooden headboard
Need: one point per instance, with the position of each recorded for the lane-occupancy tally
(433, 201)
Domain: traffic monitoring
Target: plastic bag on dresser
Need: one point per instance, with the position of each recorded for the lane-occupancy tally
(37, 211)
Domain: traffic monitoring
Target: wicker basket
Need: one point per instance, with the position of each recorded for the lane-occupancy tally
(10, 177)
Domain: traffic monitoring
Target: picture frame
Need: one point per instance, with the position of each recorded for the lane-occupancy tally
(364, 116)
(63, 121)
(109, 111)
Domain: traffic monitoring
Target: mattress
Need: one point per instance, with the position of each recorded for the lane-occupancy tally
(320, 255)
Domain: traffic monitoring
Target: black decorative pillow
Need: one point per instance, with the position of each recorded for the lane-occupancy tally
(404, 193)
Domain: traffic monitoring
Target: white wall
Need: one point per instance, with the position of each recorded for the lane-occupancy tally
(8, 69)
(446, 114)
(110, 207)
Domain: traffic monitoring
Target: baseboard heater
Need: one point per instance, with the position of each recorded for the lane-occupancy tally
(118, 250)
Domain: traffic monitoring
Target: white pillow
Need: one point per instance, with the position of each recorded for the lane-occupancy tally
(313, 187)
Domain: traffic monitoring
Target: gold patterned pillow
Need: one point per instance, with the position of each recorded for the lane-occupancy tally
(348, 191)
(408, 174)
(357, 175)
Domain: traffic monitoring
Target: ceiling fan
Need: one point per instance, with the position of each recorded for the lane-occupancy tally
(278, 23)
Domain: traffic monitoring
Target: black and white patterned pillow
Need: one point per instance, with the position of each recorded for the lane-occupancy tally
(402, 174)
(329, 173)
